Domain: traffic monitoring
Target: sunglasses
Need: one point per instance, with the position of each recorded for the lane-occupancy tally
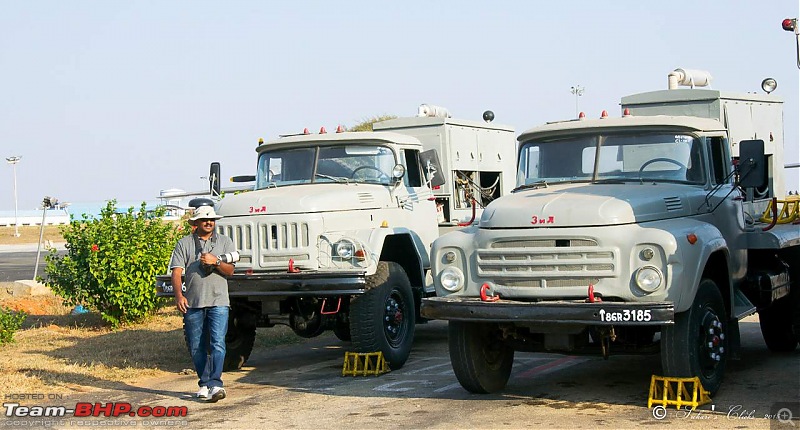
(206, 220)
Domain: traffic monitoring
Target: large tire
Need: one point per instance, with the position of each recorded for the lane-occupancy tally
(239, 339)
(342, 330)
(696, 344)
(382, 319)
(776, 326)
(481, 360)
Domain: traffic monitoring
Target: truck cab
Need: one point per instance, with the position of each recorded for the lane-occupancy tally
(628, 234)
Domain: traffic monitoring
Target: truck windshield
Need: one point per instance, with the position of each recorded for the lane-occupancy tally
(652, 157)
(342, 163)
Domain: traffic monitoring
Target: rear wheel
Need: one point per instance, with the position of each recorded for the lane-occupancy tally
(239, 339)
(481, 360)
(382, 319)
(776, 326)
(696, 344)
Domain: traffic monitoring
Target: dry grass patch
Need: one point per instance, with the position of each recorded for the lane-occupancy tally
(29, 234)
(56, 352)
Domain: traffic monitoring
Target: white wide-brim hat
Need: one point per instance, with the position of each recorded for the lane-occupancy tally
(204, 212)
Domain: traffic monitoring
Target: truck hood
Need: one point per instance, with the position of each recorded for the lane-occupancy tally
(576, 205)
(312, 198)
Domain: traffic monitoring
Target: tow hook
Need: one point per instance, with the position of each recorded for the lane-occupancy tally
(292, 269)
(592, 298)
(485, 297)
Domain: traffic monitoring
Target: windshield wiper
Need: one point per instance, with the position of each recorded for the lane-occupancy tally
(334, 178)
(534, 185)
(612, 181)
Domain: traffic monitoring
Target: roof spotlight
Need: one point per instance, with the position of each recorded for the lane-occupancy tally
(769, 85)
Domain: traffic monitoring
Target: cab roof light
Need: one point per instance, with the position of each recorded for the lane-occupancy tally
(581, 116)
(322, 130)
(340, 129)
(603, 114)
(305, 131)
(626, 113)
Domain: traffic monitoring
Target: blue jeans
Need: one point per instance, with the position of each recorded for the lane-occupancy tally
(205, 330)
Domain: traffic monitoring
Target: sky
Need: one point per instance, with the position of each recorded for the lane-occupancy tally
(122, 99)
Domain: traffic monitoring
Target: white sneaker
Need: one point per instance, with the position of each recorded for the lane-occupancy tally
(202, 393)
(217, 394)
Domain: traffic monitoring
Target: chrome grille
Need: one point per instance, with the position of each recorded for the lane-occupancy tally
(546, 262)
(241, 235)
(283, 236)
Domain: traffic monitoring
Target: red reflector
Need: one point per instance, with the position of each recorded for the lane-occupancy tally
(692, 238)
(359, 253)
(438, 187)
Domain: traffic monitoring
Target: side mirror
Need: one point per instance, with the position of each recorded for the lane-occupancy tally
(752, 164)
(431, 167)
(214, 179)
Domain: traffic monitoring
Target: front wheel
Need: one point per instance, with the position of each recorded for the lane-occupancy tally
(239, 339)
(382, 319)
(696, 344)
(481, 360)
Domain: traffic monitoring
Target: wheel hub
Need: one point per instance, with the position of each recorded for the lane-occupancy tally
(393, 317)
(713, 340)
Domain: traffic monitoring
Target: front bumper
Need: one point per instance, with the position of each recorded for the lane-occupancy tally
(303, 284)
(572, 312)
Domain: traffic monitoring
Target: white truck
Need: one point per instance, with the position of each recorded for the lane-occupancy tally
(630, 235)
(337, 230)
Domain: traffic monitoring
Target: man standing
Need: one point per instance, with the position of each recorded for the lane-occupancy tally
(204, 298)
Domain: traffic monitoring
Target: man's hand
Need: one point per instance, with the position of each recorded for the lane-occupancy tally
(208, 258)
(181, 303)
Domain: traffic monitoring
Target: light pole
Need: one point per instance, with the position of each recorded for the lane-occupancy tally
(577, 90)
(13, 160)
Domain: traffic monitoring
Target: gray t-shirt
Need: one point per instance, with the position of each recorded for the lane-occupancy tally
(202, 290)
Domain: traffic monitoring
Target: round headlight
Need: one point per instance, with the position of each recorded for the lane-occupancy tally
(398, 171)
(345, 249)
(452, 279)
(648, 278)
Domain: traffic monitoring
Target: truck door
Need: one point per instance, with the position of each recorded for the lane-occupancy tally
(728, 200)
(415, 197)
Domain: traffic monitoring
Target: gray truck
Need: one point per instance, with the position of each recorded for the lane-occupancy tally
(336, 233)
(636, 234)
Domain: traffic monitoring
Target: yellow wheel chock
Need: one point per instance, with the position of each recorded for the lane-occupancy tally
(788, 211)
(680, 392)
(363, 364)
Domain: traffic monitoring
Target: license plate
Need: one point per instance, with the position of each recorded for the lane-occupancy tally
(625, 315)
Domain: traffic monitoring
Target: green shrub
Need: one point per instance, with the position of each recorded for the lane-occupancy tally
(111, 263)
(10, 322)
